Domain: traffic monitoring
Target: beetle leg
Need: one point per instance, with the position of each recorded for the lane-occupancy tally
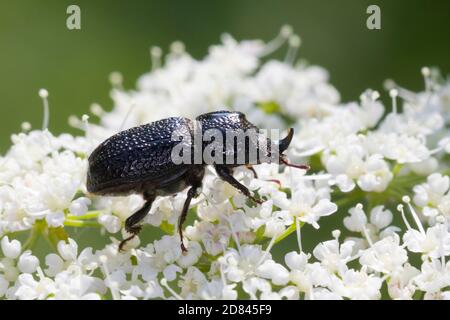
(194, 179)
(192, 193)
(250, 167)
(225, 173)
(131, 224)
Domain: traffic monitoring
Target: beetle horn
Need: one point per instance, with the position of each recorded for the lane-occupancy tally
(283, 144)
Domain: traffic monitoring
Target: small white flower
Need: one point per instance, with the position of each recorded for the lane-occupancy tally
(435, 243)
(30, 289)
(68, 250)
(334, 256)
(385, 256)
(79, 206)
(217, 290)
(269, 269)
(11, 249)
(357, 285)
(111, 223)
(308, 207)
(433, 276)
(237, 266)
(27, 262)
(357, 219)
(191, 256)
(4, 284)
(380, 217)
(400, 284)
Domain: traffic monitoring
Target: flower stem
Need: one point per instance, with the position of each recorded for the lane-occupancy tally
(89, 215)
(81, 223)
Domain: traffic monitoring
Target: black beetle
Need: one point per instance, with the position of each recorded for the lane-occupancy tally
(138, 160)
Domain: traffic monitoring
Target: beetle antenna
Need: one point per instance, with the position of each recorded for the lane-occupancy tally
(43, 93)
(280, 39)
(130, 110)
(298, 166)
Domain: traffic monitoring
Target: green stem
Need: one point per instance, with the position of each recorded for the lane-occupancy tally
(31, 240)
(292, 228)
(81, 223)
(397, 168)
(87, 216)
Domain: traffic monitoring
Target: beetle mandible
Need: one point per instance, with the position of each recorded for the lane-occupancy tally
(139, 161)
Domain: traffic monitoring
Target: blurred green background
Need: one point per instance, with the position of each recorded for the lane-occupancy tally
(38, 51)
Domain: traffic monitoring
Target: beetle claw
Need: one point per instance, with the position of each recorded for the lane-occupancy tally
(134, 230)
(258, 201)
(123, 242)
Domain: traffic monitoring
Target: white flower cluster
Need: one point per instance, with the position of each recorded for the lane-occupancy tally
(385, 171)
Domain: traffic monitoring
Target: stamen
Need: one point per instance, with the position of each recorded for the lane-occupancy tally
(336, 234)
(443, 221)
(85, 125)
(443, 144)
(85, 120)
(314, 177)
(426, 72)
(155, 54)
(97, 110)
(75, 122)
(308, 152)
(130, 110)
(366, 235)
(40, 273)
(394, 93)
(26, 126)
(269, 247)
(166, 285)
(311, 292)
(177, 48)
(116, 80)
(222, 275)
(407, 200)
(299, 235)
(294, 44)
(233, 233)
(43, 93)
(403, 93)
(400, 208)
(375, 95)
(112, 287)
(275, 44)
(436, 150)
